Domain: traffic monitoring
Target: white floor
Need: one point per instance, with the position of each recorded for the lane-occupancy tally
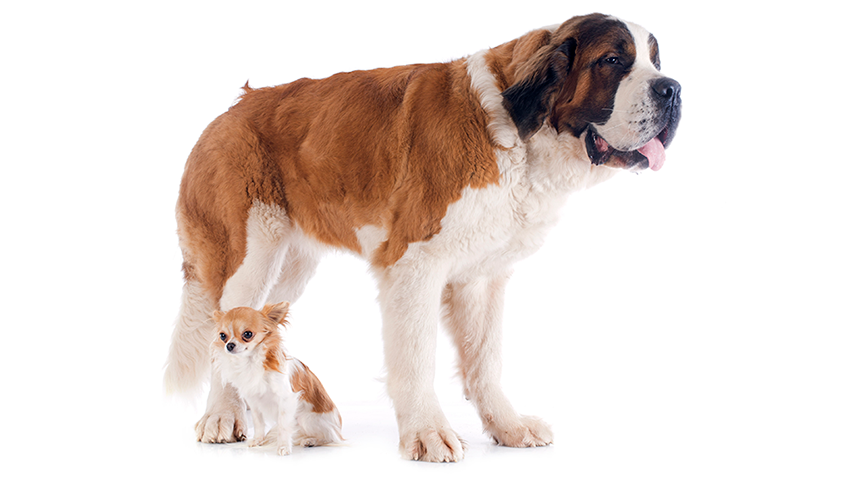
(627, 438)
(370, 448)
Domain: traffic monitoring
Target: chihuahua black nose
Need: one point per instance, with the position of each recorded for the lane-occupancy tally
(231, 346)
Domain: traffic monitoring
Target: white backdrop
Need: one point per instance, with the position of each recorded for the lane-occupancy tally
(698, 322)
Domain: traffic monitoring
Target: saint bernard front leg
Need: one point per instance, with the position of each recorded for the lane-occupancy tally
(473, 315)
(409, 296)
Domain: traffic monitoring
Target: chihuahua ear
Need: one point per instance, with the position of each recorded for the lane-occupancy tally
(277, 312)
(217, 315)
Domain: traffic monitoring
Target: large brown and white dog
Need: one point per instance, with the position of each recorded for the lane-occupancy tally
(440, 175)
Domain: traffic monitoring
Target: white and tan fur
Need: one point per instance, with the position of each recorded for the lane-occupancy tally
(461, 270)
(277, 388)
(624, 130)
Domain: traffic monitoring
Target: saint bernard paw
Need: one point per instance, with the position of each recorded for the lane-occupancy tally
(221, 425)
(523, 432)
(440, 444)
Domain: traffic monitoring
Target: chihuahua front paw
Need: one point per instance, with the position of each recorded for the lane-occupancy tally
(284, 450)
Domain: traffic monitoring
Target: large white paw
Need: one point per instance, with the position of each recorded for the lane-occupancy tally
(522, 432)
(222, 425)
(284, 450)
(440, 444)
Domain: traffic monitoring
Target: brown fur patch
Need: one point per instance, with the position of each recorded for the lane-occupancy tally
(507, 62)
(390, 148)
(304, 380)
(275, 357)
(276, 315)
(588, 94)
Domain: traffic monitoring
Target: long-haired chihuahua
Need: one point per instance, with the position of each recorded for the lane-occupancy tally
(276, 387)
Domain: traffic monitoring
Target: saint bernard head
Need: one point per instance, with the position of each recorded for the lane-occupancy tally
(599, 79)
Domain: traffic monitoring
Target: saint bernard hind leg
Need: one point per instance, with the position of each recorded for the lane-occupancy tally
(269, 233)
(278, 263)
(268, 240)
(473, 316)
(299, 266)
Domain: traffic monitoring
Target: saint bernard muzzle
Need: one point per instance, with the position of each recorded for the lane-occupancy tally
(646, 129)
(604, 86)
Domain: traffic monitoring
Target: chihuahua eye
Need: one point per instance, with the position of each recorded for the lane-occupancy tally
(247, 335)
(223, 337)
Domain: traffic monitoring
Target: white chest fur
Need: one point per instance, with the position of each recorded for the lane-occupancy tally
(255, 384)
(490, 228)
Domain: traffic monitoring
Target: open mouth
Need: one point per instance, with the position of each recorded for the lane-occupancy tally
(651, 155)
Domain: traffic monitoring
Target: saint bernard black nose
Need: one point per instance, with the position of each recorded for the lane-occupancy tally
(666, 90)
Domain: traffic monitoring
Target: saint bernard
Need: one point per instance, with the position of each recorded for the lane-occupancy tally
(441, 176)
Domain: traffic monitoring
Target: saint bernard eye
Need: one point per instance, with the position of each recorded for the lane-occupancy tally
(612, 60)
(247, 335)
(223, 337)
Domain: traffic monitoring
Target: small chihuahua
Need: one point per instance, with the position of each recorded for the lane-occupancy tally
(275, 386)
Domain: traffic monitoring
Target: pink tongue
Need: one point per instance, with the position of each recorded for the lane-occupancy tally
(655, 153)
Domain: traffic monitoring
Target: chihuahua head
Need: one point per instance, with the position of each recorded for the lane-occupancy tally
(242, 329)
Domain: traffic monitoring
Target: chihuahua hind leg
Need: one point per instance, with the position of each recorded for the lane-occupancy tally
(316, 429)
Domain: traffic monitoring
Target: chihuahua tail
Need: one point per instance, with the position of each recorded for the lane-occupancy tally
(189, 360)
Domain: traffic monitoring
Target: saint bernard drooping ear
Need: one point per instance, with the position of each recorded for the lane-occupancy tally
(442, 176)
(600, 77)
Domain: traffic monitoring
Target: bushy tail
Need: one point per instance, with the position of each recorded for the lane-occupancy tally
(189, 360)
